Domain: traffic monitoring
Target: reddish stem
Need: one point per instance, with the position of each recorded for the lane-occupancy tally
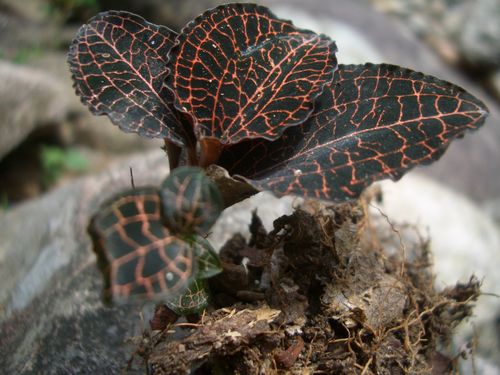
(210, 150)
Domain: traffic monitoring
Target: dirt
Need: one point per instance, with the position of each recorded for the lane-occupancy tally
(317, 295)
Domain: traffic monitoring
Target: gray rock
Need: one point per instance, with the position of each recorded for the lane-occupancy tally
(494, 82)
(29, 10)
(493, 208)
(479, 37)
(460, 31)
(26, 29)
(30, 98)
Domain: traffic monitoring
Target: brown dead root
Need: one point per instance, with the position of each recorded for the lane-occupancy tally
(319, 295)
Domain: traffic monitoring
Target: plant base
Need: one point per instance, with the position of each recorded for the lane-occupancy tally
(318, 295)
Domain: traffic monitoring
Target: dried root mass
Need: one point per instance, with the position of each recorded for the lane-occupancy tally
(318, 295)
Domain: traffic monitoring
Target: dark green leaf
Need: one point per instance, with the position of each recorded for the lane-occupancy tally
(194, 300)
(242, 73)
(118, 63)
(139, 256)
(207, 260)
(372, 122)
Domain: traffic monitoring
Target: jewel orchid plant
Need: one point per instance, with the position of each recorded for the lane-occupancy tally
(266, 101)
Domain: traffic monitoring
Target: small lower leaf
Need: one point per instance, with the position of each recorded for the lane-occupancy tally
(139, 256)
(194, 299)
(207, 260)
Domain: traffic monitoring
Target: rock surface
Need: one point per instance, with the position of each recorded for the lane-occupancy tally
(30, 98)
(463, 31)
(479, 33)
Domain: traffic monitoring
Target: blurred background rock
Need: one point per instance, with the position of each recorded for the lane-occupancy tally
(58, 162)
